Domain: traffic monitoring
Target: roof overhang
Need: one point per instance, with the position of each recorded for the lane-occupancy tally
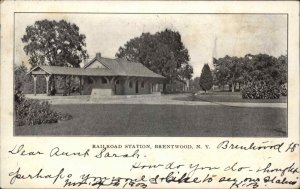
(37, 70)
(56, 70)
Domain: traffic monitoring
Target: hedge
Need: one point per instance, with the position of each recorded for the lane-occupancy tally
(260, 90)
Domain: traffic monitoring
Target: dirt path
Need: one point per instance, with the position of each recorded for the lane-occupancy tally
(163, 99)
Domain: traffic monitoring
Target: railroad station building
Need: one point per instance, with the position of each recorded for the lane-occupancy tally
(105, 77)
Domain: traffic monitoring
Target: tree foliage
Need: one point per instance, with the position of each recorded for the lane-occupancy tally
(261, 67)
(24, 83)
(260, 76)
(56, 43)
(206, 78)
(20, 77)
(228, 70)
(194, 84)
(162, 52)
(266, 68)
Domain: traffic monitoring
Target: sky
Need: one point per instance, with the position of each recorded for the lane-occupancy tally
(204, 35)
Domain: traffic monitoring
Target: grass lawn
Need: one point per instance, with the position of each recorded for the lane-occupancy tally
(164, 120)
(230, 97)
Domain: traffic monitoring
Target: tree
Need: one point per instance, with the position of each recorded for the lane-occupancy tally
(194, 84)
(263, 73)
(263, 67)
(206, 78)
(162, 52)
(185, 72)
(228, 70)
(56, 43)
(282, 64)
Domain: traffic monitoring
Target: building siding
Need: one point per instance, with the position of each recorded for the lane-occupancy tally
(119, 86)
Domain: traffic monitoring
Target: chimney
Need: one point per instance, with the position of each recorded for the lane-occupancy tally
(98, 55)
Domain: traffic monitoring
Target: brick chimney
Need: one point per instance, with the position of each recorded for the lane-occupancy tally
(98, 55)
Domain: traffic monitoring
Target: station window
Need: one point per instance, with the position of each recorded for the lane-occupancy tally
(104, 81)
(130, 84)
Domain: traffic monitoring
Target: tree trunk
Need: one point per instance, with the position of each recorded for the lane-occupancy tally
(232, 87)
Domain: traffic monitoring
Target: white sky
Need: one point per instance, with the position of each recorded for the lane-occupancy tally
(236, 34)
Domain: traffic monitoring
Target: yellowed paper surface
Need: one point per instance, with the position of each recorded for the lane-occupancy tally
(186, 162)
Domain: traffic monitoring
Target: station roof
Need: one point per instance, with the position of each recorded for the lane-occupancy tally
(111, 67)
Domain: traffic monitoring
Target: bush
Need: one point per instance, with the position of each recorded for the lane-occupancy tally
(261, 90)
(35, 112)
(284, 90)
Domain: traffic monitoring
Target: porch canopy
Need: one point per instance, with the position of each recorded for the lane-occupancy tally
(112, 69)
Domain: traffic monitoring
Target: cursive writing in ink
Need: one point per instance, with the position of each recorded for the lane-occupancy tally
(16, 175)
(105, 154)
(264, 146)
(57, 152)
(269, 169)
(21, 151)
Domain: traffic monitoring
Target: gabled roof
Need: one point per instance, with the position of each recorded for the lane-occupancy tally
(122, 67)
(58, 70)
(114, 67)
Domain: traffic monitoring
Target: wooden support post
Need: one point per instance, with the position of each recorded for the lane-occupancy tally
(34, 84)
(47, 83)
(107, 80)
(54, 83)
(65, 85)
(164, 87)
(69, 86)
(111, 81)
(80, 92)
(152, 87)
(112, 85)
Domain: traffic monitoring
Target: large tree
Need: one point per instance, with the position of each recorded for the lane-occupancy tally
(206, 78)
(263, 67)
(56, 43)
(162, 52)
(228, 70)
(250, 68)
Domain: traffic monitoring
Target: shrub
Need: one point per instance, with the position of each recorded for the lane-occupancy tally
(261, 90)
(284, 90)
(35, 112)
